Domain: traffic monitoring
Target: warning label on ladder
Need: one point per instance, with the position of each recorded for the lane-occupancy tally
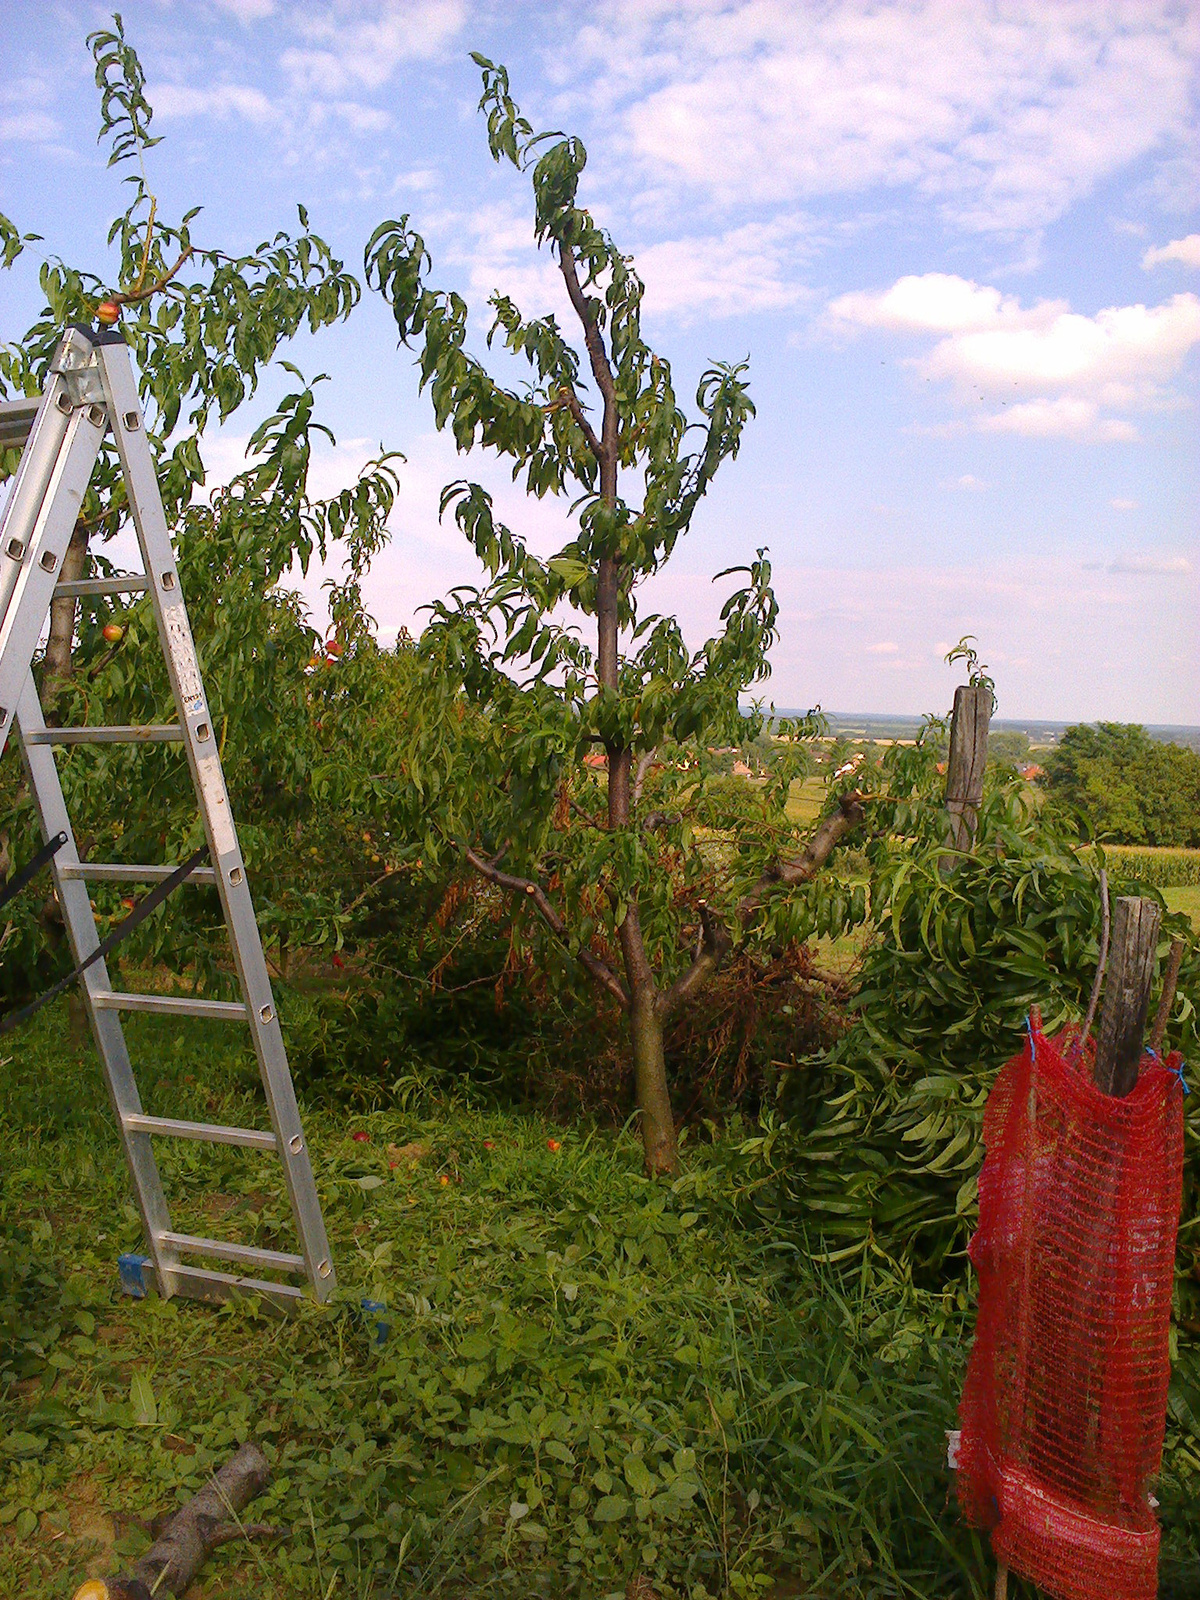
(187, 669)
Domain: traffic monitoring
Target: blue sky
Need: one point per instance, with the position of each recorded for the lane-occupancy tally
(958, 241)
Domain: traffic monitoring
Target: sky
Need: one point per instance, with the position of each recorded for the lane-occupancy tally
(957, 241)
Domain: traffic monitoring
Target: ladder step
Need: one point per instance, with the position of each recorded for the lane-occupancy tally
(151, 733)
(202, 1283)
(210, 1132)
(279, 1260)
(114, 872)
(16, 421)
(171, 1005)
(132, 583)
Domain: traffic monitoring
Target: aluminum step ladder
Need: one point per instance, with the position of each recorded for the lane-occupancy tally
(91, 390)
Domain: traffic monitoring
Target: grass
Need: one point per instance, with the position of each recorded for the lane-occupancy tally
(588, 1375)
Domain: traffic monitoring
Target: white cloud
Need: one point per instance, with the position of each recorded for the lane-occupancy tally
(1062, 418)
(1123, 505)
(1186, 250)
(1120, 349)
(1056, 371)
(219, 100)
(736, 273)
(967, 481)
(886, 648)
(248, 10)
(495, 244)
(1064, 642)
(934, 302)
(349, 44)
(1151, 566)
(1002, 116)
(32, 127)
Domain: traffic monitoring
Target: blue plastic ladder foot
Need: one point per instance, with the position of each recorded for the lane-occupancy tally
(135, 1271)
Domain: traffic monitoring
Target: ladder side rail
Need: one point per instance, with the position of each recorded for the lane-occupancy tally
(83, 936)
(53, 525)
(195, 721)
(27, 490)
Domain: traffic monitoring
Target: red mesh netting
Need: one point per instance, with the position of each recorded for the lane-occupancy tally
(1065, 1400)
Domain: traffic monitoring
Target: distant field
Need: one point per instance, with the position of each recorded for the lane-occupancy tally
(805, 799)
(1187, 900)
(1165, 868)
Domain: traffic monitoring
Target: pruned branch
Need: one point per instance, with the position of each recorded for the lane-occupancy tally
(799, 869)
(713, 947)
(132, 296)
(653, 820)
(209, 1520)
(642, 771)
(599, 970)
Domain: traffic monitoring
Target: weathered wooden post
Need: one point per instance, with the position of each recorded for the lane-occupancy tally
(1126, 994)
(966, 763)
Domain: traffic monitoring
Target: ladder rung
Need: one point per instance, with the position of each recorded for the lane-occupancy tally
(170, 1005)
(114, 872)
(16, 421)
(150, 733)
(249, 1255)
(130, 584)
(203, 1283)
(210, 1132)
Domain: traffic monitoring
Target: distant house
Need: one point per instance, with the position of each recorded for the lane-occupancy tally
(941, 766)
(596, 758)
(1031, 770)
(741, 770)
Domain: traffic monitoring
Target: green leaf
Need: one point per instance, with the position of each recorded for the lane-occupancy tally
(143, 1408)
(639, 1478)
(612, 1508)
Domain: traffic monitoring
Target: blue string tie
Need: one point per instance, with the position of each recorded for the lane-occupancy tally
(1175, 1071)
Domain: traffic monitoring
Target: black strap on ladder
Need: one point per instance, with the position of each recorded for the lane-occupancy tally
(140, 912)
(17, 882)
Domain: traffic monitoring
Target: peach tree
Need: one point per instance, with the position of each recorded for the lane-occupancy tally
(568, 772)
(204, 326)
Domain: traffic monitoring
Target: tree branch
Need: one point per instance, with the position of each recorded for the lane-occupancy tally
(574, 405)
(585, 815)
(714, 947)
(592, 336)
(644, 762)
(599, 970)
(132, 296)
(799, 869)
(654, 820)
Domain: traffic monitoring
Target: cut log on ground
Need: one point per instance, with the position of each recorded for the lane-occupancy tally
(192, 1534)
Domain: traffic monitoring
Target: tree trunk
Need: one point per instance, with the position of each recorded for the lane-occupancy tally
(650, 1080)
(62, 613)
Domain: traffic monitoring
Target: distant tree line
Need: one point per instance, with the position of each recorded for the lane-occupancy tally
(1120, 784)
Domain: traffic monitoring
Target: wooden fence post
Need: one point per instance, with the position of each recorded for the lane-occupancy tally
(964, 768)
(1126, 994)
